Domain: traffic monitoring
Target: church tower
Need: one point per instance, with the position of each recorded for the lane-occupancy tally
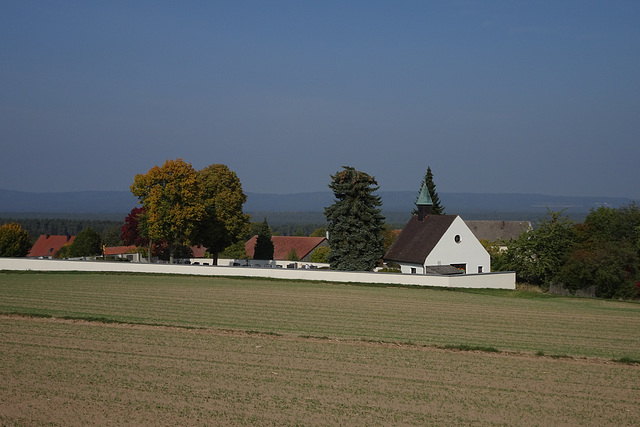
(424, 203)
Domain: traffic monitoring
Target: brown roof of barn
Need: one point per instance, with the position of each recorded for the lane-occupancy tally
(498, 231)
(282, 245)
(418, 238)
(48, 244)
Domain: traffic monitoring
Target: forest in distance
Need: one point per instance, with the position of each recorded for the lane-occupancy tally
(108, 226)
(281, 223)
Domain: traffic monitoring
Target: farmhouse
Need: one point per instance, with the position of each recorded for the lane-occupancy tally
(437, 244)
(498, 232)
(284, 245)
(47, 245)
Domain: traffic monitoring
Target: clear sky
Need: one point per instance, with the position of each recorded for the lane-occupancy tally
(496, 96)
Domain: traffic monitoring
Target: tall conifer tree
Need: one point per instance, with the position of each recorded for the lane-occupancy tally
(264, 244)
(354, 221)
(437, 208)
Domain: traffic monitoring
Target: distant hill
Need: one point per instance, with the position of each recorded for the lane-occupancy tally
(77, 202)
(397, 204)
(454, 203)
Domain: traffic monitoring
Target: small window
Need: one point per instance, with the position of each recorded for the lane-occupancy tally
(413, 270)
(479, 269)
(457, 239)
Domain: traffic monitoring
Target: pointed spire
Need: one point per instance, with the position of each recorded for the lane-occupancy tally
(424, 198)
(424, 202)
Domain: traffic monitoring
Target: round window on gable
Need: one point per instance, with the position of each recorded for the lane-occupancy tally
(457, 238)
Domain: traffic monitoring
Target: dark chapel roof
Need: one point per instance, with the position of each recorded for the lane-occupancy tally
(418, 238)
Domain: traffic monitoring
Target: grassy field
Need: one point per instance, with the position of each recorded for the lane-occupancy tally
(218, 351)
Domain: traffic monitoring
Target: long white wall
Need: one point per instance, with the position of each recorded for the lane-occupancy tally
(505, 280)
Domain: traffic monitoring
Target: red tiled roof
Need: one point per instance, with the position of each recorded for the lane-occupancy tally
(198, 251)
(48, 245)
(119, 250)
(282, 245)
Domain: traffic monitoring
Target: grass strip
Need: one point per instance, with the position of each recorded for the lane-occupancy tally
(96, 319)
(627, 360)
(466, 347)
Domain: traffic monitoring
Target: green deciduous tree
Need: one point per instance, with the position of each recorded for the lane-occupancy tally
(64, 252)
(354, 221)
(610, 267)
(87, 243)
(320, 255)
(223, 222)
(264, 244)
(14, 241)
(292, 255)
(235, 251)
(538, 255)
(172, 201)
(606, 254)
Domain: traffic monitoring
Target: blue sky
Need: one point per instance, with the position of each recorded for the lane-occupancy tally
(495, 96)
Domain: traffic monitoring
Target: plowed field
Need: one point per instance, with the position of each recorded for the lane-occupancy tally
(215, 351)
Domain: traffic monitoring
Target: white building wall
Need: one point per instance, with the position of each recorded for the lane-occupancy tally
(468, 251)
(503, 280)
(408, 268)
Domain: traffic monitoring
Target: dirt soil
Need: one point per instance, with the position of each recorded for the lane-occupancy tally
(63, 372)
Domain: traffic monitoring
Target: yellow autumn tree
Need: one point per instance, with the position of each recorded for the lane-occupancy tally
(173, 204)
(223, 222)
(14, 241)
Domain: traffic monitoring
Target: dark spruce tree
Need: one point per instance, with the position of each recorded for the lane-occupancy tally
(264, 245)
(437, 208)
(354, 222)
